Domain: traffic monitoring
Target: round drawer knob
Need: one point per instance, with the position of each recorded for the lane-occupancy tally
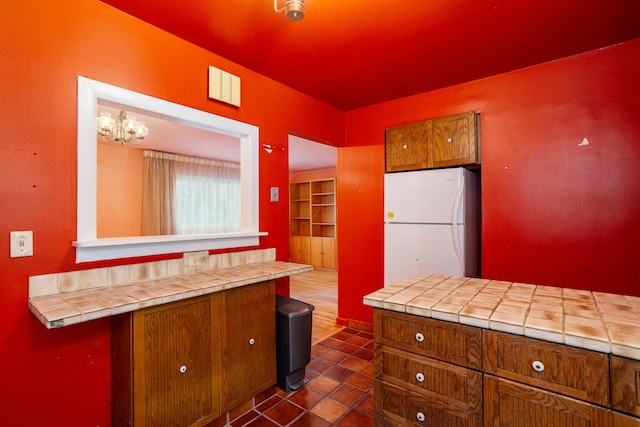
(252, 341)
(537, 366)
(449, 139)
(183, 369)
(419, 337)
(405, 146)
(420, 377)
(420, 416)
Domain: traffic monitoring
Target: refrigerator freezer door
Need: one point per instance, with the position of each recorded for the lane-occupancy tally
(419, 248)
(427, 196)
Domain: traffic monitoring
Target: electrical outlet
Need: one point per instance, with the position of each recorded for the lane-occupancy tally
(194, 259)
(21, 243)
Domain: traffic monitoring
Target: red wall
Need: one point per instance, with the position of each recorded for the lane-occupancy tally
(553, 212)
(61, 377)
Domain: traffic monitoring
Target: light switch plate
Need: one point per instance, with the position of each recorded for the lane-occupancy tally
(21, 243)
(274, 194)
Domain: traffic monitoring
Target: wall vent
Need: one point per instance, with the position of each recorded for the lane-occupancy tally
(224, 86)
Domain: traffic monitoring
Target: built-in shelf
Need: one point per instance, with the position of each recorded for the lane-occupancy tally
(312, 215)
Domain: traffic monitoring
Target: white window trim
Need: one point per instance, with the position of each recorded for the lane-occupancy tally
(88, 246)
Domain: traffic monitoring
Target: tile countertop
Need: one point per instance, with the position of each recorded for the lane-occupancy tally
(603, 322)
(67, 308)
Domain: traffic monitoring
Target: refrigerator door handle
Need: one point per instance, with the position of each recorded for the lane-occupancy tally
(454, 225)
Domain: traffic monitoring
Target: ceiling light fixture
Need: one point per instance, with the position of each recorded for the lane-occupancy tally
(293, 9)
(122, 130)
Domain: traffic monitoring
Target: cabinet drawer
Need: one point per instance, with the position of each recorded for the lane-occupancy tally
(407, 408)
(512, 404)
(446, 341)
(625, 385)
(453, 385)
(571, 371)
(621, 420)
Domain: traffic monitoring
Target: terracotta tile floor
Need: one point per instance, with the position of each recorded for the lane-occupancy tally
(339, 391)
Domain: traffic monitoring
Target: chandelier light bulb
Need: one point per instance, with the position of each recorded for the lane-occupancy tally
(141, 131)
(105, 123)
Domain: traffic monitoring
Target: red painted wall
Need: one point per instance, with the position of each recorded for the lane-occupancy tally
(61, 377)
(554, 212)
(560, 214)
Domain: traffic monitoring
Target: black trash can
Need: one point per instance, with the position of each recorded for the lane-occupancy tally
(293, 341)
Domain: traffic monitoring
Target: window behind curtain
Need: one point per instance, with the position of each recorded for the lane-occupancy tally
(204, 194)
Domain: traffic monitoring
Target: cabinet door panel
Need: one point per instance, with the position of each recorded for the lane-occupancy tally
(300, 249)
(625, 385)
(175, 356)
(323, 254)
(408, 408)
(250, 341)
(406, 147)
(509, 404)
(453, 141)
(571, 371)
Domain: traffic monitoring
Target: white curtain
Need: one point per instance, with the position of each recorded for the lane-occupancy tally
(204, 193)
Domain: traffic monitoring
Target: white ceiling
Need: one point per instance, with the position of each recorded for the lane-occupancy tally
(173, 137)
(305, 155)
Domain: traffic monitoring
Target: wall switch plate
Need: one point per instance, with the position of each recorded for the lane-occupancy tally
(274, 194)
(194, 259)
(21, 243)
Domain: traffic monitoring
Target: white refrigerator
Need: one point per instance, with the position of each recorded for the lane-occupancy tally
(431, 223)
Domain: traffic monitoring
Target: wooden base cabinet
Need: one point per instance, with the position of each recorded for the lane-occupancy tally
(416, 383)
(299, 248)
(176, 356)
(250, 342)
(323, 252)
(432, 372)
(186, 363)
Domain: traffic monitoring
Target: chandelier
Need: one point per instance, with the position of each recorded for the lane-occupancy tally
(293, 9)
(122, 129)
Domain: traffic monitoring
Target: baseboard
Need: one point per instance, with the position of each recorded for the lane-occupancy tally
(355, 324)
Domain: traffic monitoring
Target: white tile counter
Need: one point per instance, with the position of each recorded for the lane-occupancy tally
(603, 322)
(63, 299)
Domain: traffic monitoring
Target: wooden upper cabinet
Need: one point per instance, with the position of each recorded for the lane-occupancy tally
(406, 147)
(443, 142)
(453, 141)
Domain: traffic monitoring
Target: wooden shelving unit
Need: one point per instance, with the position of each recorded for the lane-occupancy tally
(312, 215)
